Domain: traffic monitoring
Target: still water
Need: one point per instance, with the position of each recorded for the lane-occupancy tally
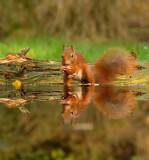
(78, 122)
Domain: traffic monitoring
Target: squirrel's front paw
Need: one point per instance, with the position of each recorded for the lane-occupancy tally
(69, 68)
(63, 68)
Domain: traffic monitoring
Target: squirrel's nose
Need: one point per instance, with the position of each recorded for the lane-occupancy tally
(67, 62)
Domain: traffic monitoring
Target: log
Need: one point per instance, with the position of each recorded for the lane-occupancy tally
(28, 70)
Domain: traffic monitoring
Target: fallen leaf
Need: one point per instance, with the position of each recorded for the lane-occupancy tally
(17, 84)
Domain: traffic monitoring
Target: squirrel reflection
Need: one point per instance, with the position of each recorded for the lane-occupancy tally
(75, 101)
(112, 102)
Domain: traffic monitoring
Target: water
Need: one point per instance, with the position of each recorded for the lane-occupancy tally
(78, 122)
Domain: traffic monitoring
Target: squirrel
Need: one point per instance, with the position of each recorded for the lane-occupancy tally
(113, 61)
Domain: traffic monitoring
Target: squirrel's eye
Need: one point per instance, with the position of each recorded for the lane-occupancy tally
(71, 113)
(62, 56)
(72, 56)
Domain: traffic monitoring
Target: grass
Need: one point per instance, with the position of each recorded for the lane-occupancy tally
(50, 48)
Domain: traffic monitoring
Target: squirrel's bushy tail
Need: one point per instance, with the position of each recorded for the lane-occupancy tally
(114, 61)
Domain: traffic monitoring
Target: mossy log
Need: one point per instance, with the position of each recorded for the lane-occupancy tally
(19, 67)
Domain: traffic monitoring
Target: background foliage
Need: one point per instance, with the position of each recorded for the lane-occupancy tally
(89, 19)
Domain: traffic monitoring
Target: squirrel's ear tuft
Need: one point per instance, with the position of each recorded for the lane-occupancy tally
(63, 47)
(72, 48)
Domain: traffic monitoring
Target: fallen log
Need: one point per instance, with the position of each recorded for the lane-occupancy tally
(28, 70)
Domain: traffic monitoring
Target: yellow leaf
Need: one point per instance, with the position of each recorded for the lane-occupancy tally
(17, 84)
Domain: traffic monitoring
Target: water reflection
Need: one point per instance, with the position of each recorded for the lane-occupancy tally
(113, 102)
(74, 101)
(28, 94)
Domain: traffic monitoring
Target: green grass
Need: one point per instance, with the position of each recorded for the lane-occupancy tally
(50, 48)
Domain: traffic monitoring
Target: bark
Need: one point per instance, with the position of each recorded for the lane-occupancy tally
(19, 67)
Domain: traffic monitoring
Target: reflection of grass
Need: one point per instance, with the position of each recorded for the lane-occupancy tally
(49, 48)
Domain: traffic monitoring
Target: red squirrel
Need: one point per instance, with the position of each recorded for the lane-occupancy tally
(113, 61)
